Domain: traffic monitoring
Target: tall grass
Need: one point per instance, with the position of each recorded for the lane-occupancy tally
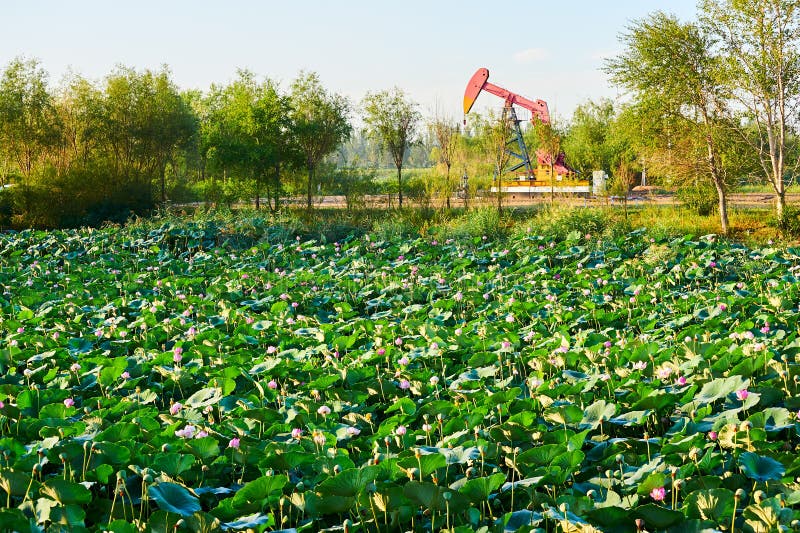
(555, 222)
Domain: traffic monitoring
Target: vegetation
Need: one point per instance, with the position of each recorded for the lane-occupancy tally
(231, 373)
(713, 107)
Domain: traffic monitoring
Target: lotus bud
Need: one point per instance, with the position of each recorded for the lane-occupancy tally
(620, 458)
(739, 494)
(639, 524)
(563, 507)
(759, 495)
(337, 469)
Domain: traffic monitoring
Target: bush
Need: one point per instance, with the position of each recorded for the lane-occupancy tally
(789, 223)
(700, 198)
(559, 221)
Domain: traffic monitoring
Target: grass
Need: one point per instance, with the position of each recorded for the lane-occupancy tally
(751, 226)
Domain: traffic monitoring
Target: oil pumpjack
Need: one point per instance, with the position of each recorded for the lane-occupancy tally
(516, 148)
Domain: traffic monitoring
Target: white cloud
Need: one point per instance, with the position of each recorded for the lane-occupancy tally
(531, 55)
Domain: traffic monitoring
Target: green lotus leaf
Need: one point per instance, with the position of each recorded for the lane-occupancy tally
(174, 498)
(65, 492)
(260, 492)
(760, 468)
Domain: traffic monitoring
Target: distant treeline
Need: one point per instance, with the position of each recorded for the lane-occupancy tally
(713, 104)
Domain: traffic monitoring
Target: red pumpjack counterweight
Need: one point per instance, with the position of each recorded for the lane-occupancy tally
(479, 82)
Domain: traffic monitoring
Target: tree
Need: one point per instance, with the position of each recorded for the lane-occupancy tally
(392, 121)
(320, 123)
(247, 132)
(670, 64)
(29, 125)
(445, 132)
(588, 142)
(143, 120)
(761, 42)
(550, 148)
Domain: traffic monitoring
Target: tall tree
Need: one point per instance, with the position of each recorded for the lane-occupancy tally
(29, 125)
(761, 42)
(588, 141)
(445, 132)
(392, 120)
(550, 148)
(246, 132)
(143, 121)
(671, 64)
(320, 123)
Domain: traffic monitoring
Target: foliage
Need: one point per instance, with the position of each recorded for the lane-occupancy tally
(319, 123)
(392, 120)
(219, 371)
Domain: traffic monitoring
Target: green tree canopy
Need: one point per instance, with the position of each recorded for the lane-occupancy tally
(392, 120)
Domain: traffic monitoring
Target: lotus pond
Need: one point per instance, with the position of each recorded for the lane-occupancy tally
(182, 378)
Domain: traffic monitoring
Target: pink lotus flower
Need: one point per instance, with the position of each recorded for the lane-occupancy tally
(712, 435)
(400, 430)
(234, 443)
(324, 410)
(658, 494)
(723, 307)
(187, 432)
(297, 433)
(75, 367)
(353, 431)
(125, 375)
(681, 381)
(381, 351)
(405, 384)
(435, 380)
(272, 384)
(742, 394)
(398, 341)
(69, 402)
(174, 408)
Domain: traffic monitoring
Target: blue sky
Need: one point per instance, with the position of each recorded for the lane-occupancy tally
(551, 50)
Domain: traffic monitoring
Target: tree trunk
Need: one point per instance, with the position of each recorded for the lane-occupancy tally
(400, 186)
(499, 193)
(552, 182)
(448, 188)
(163, 185)
(310, 183)
(258, 194)
(780, 200)
(723, 207)
(277, 184)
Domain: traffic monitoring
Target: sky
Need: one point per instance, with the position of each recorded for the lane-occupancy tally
(550, 50)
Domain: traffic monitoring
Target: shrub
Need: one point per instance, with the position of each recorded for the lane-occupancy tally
(700, 198)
